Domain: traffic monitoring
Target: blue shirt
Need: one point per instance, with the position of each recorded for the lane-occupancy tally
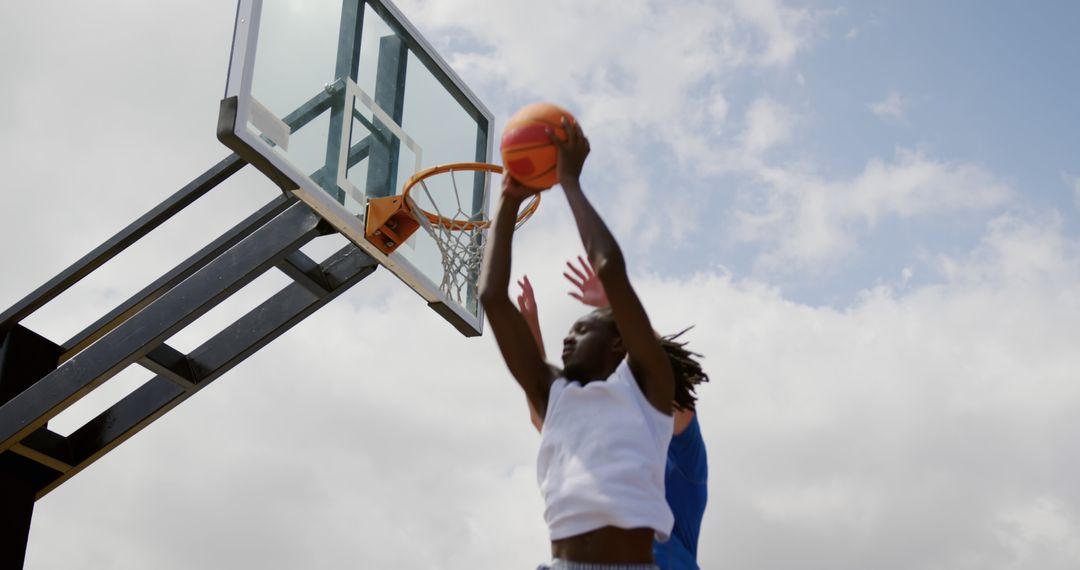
(685, 487)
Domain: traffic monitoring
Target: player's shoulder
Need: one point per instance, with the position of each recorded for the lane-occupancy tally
(689, 437)
(687, 455)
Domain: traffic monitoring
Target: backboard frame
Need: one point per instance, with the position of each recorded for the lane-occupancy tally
(239, 107)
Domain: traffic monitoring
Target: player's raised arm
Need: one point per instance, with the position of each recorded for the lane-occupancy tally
(647, 359)
(512, 332)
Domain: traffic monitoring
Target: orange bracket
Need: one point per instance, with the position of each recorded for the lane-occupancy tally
(389, 223)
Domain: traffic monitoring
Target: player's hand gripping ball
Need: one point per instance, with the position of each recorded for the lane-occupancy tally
(527, 152)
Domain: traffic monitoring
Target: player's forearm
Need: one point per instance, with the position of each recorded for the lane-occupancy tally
(604, 252)
(495, 278)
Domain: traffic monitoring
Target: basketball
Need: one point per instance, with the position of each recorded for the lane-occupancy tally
(528, 154)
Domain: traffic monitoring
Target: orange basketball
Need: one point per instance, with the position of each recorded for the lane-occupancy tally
(527, 152)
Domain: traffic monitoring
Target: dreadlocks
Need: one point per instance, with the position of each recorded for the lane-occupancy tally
(688, 372)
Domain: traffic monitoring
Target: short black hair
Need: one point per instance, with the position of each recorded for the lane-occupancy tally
(608, 316)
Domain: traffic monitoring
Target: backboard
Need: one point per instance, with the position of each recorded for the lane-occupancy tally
(341, 101)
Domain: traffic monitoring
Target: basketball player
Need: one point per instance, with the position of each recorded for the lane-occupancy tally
(686, 474)
(607, 412)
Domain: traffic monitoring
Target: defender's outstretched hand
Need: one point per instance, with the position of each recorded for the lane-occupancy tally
(590, 289)
(526, 302)
(572, 153)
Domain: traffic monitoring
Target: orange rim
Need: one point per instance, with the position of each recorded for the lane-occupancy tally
(460, 225)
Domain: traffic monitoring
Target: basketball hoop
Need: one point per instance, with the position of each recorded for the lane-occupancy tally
(455, 222)
(457, 231)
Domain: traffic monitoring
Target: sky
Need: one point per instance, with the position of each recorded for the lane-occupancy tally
(869, 211)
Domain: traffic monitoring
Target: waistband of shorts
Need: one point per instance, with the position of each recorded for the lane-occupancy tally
(558, 564)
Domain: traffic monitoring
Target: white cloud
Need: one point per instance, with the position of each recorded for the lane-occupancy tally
(618, 87)
(718, 108)
(804, 220)
(893, 106)
(1043, 532)
(787, 29)
(768, 124)
(1073, 182)
(646, 78)
(901, 432)
(857, 31)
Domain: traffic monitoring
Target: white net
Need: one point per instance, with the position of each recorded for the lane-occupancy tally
(459, 234)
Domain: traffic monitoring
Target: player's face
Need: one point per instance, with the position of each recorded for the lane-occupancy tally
(589, 347)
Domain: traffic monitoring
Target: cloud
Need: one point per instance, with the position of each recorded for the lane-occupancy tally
(905, 431)
(768, 123)
(664, 86)
(1073, 182)
(718, 108)
(528, 49)
(805, 219)
(1043, 533)
(648, 79)
(788, 30)
(893, 106)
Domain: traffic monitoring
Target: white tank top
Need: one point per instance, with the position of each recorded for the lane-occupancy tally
(603, 449)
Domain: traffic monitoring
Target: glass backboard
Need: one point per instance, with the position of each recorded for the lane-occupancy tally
(341, 101)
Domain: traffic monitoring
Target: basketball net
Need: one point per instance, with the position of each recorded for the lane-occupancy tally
(458, 234)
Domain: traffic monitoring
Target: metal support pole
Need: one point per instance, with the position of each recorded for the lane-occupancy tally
(214, 358)
(24, 358)
(347, 66)
(17, 500)
(390, 96)
(150, 327)
(183, 198)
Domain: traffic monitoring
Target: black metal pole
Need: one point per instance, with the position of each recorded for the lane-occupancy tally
(25, 357)
(17, 500)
